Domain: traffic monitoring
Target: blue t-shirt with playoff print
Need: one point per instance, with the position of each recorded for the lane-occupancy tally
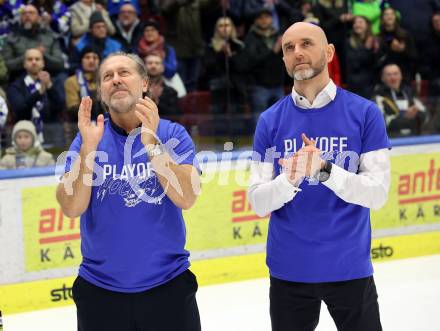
(132, 234)
(317, 236)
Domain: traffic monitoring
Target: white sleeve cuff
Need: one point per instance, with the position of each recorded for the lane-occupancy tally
(285, 188)
(337, 178)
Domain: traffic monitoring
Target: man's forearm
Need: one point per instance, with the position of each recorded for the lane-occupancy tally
(267, 197)
(181, 183)
(267, 194)
(363, 189)
(74, 192)
(369, 188)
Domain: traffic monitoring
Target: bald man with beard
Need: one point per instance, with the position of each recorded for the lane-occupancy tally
(320, 164)
(30, 34)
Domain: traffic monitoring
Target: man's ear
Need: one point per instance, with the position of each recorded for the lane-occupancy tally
(330, 52)
(145, 85)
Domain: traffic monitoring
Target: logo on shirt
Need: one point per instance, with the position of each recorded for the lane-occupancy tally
(137, 181)
(133, 190)
(325, 144)
(332, 149)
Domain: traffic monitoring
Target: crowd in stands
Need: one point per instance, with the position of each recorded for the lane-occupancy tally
(221, 58)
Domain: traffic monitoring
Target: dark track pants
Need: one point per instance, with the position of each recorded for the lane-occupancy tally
(352, 304)
(169, 307)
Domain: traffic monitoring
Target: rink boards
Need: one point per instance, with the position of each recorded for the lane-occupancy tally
(40, 247)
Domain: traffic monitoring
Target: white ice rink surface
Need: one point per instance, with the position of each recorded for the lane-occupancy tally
(409, 299)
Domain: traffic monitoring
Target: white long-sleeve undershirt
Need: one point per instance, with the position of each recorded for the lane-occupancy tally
(368, 188)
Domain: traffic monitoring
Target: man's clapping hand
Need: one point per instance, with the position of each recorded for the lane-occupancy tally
(304, 163)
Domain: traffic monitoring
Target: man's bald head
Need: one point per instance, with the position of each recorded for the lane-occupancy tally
(33, 52)
(306, 29)
(306, 51)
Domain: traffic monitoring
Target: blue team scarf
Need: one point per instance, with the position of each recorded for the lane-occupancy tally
(82, 82)
(3, 112)
(62, 16)
(37, 109)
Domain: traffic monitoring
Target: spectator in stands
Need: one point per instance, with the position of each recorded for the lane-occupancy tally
(224, 64)
(184, 33)
(397, 45)
(362, 50)
(208, 18)
(152, 42)
(307, 12)
(164, 96)
(149, 9)
(335, 20)
(81, 12)
(264, 60)
(251, 8)
(30, 34)
(371, 10)
(33, 95)
(79, 85)
(97, 38)
(430, 52)
(415, 16)
(26, 150)
(54, 15)
(434, 55)
(403, 112)
(114, 7)
(432, 72)
(128, 28)
(284, 12)
(9, 17)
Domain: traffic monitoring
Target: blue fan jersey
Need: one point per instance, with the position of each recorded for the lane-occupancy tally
(318, 237)
(132, 234)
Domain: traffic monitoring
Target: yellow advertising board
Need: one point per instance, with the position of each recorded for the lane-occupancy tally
(414, 197)
(51, 240)
(222, 216)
